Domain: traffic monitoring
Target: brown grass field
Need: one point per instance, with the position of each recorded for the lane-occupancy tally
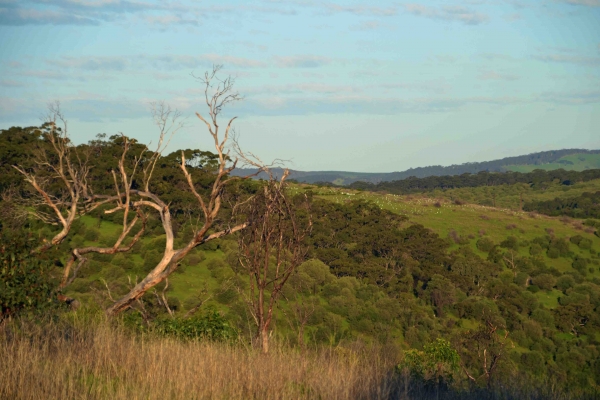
(99, 361)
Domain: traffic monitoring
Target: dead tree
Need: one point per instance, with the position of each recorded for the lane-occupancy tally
(68, 168)
(60, 166)
(217, 93)
(122, 201)
(270, 249)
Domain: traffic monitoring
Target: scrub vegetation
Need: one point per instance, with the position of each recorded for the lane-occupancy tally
(127, 273)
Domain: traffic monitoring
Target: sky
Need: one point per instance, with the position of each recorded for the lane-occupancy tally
(347, 85)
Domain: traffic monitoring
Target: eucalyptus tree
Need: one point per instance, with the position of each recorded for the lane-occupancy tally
(62, 179)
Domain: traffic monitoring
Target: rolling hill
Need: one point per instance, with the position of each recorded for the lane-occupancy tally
(568, 159)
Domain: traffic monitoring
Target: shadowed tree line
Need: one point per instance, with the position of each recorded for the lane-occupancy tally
(537, 179)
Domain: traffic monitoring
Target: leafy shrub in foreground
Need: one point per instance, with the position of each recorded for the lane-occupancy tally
(209, 326)
(26, 282)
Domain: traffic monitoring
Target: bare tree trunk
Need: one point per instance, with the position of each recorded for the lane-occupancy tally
(270, 250)
(264, 339)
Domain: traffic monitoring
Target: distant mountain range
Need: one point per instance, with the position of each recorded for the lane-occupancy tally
(569, 159)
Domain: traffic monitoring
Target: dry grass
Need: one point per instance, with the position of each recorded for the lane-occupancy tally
(98, 361)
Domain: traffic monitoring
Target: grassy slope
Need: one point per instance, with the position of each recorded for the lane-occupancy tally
(579, 162)
(467, 220)
(471, 220)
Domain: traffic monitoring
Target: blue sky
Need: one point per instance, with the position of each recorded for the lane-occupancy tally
(361, 86)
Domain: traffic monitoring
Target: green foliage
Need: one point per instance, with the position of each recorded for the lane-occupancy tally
(26, 281)
(485, 244)
(510, 242)
(381, 269)
(210, 325)
(480, 178)
(586, 205)
(437, 361)
(544, 281)
(91, 235)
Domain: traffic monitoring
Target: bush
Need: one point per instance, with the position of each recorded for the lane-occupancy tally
(26, 281)
(91, 235)
(151, 259)
(544, 281)
(553, 252)
(535, 249)
(580, 265)
(561, 245)
(485, 244)
(77, 241)
(210, 325)
(585, 244)
(521, 278)
(510, 242)
(195, 259)
(576, 239)
(543, 242)
(565, 282)
(458, 239)
(533, 288)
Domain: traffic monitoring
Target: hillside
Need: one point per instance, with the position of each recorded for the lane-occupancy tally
(568, 159)
(573, 162)
(453, 262)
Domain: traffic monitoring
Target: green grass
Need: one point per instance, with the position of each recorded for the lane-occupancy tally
(549, 298)
(575, 162)
(194, 279)
(469, 220)
(472, 221)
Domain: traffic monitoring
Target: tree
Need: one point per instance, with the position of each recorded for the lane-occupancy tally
(271, 248)
(486, 346)
(437, 362)
(27, 282)
(61, 179)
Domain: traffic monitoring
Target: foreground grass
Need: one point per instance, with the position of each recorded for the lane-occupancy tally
(91, 358)
(99, 361)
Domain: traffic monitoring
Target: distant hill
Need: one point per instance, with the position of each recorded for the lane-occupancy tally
(568, 159)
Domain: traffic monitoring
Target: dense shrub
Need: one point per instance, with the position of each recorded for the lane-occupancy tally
(565, 282)
(544, 281)
(91, 235)
(210, 325)
(485, 244)
(535, 249)
(26, 281)
(510, 242)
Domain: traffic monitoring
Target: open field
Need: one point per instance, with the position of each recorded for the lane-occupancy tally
(473, 221)
(469, 221)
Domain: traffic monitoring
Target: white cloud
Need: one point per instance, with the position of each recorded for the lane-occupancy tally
(302, 61)
(447, 13)
(367, 26)
(589, 3)
(11, 83)
(497, 76)
(568, 58)
(572, 98)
